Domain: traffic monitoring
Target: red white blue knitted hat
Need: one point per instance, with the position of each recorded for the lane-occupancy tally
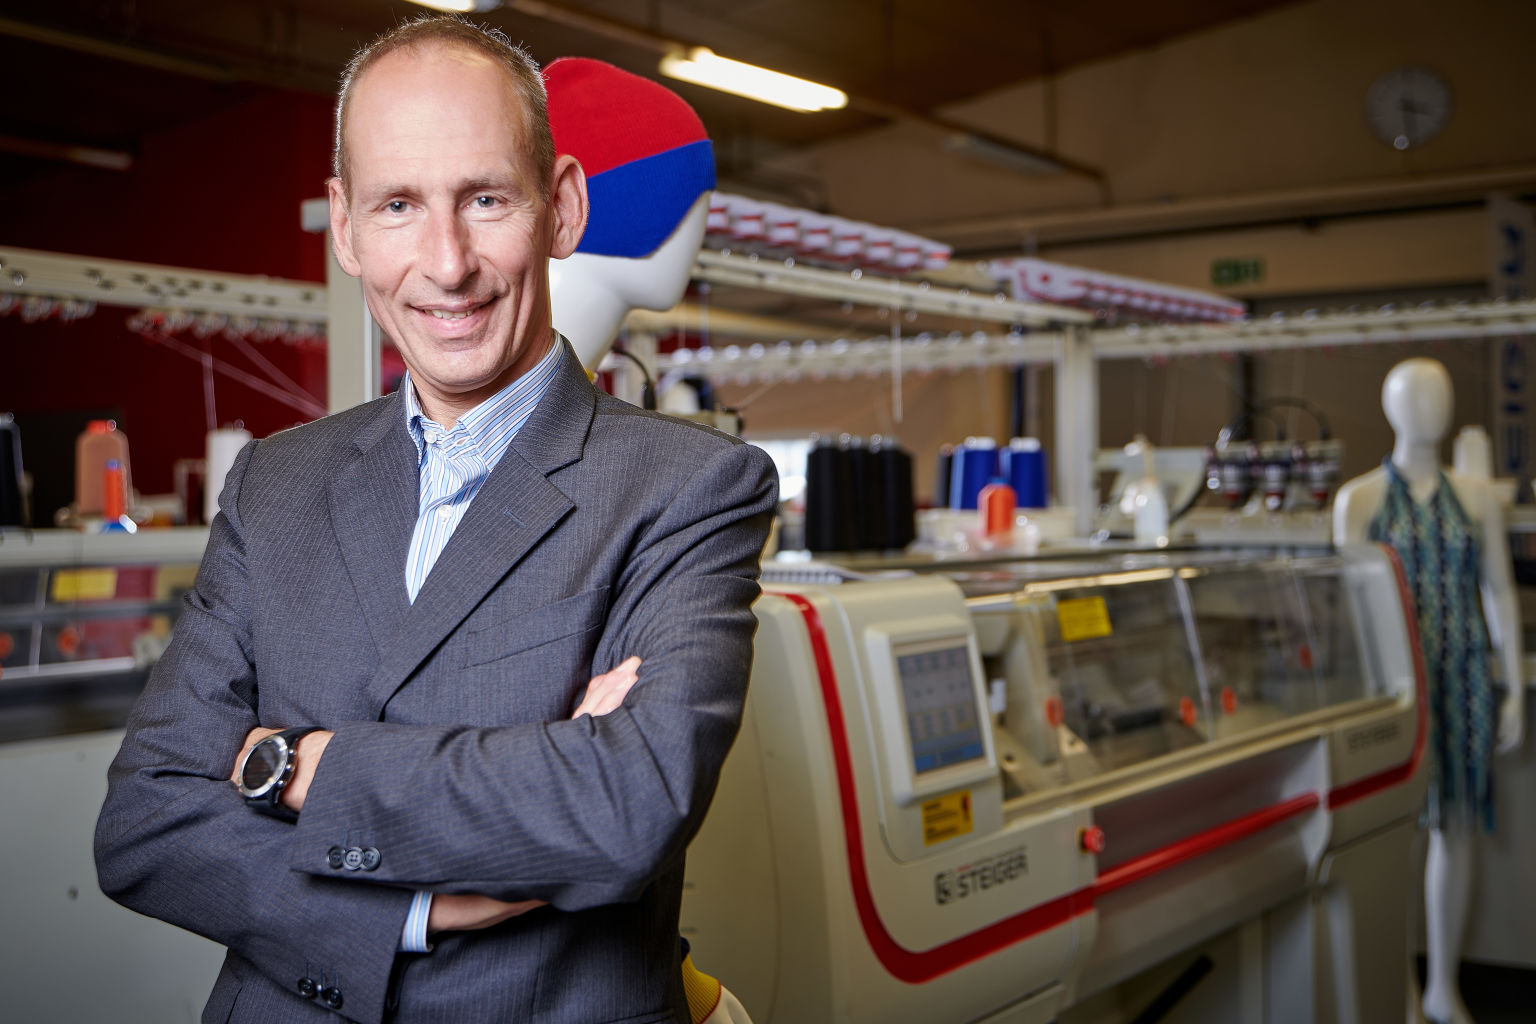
(644, 150)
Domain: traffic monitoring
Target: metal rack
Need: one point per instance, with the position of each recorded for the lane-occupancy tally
(1076, 350)
(53, 277)
(955, 351)
(855, 286)
(1072, 340)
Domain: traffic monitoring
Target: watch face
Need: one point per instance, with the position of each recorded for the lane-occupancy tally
(263, 765)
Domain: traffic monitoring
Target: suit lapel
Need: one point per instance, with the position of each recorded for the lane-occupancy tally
(373, 504)
(513, 511)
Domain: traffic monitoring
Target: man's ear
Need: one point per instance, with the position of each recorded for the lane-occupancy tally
(341, 228)
(568, 205)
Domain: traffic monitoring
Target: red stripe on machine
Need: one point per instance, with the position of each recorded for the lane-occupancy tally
(1190, 847)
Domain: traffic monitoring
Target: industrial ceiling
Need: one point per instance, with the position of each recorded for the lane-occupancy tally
(103, 74)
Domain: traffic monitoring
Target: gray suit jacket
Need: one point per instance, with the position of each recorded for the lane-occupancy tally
(603, 532)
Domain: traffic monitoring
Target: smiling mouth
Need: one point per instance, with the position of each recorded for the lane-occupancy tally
(457, 312)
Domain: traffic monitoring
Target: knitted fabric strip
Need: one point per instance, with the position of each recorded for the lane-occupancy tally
(1441, 550)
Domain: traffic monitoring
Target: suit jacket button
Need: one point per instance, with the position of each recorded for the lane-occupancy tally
(353, 858)
(308, 988)
(334, 856)
(332, 997)
(371, 858)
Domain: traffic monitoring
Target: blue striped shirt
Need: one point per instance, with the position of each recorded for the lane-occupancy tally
(454, 464)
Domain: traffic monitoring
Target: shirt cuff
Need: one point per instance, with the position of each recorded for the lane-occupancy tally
(413, 937)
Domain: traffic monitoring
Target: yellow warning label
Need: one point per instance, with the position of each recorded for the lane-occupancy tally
(84, 584)
(1083, 618)
(946, 817)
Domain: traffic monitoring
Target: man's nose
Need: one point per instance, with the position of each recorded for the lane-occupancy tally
(448, 257)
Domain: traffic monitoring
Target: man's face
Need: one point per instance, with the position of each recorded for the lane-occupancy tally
(443, 221)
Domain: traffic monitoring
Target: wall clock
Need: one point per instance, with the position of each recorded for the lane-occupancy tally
(1408, 106)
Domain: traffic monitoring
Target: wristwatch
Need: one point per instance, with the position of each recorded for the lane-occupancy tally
(266, 769)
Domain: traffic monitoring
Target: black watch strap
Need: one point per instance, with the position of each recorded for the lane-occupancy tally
(269, 802)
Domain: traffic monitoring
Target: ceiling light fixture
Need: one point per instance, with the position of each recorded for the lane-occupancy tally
(459, 6)
(702, 66)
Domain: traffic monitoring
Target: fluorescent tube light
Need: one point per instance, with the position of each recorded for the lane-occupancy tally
(460, 6)
(701, 66)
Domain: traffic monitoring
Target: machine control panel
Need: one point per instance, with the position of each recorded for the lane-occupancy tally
(931, 723)
(942, 723)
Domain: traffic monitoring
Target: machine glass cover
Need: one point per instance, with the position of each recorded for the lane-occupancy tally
(942, 721)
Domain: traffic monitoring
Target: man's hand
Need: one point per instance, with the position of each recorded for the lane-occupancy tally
(464, 912)
(607, 691)
(306, 758)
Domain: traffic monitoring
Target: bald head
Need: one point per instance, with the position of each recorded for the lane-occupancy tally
(455, 36)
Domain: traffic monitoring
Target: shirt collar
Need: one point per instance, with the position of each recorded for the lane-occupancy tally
(493, 423)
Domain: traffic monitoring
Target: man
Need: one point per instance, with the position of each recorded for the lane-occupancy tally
(431, 598)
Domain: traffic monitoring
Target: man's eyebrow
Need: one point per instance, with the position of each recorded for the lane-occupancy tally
(493, 183)
(376, 192)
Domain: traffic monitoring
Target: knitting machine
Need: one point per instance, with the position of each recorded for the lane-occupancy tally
(1071, 791)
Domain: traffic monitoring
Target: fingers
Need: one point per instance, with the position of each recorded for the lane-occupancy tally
(607, 691)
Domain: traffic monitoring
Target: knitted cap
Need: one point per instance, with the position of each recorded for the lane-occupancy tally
(644, 150)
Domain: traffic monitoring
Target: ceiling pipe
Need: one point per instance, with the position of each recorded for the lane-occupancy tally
(596, 24)
(999, 232)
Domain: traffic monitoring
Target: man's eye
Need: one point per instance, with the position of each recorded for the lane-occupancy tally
(485, 202)
(395, 206)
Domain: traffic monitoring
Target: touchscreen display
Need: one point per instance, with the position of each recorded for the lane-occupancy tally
(941, 707)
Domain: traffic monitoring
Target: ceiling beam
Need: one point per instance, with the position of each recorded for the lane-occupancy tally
(87, 156)
(312, 78)
(114, 51)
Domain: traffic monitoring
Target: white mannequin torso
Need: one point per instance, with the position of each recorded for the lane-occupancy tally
(1416, 397)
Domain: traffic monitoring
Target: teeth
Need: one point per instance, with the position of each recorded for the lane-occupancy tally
(443, 314)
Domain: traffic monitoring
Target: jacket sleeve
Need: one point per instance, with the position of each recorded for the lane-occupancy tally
(175, 840)
(589, 811)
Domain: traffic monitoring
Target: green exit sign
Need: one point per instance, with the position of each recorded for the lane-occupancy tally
(1228, 273)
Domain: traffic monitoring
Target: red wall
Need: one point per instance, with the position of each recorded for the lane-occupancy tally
(218, 193)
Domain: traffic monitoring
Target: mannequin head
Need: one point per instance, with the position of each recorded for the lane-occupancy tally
(650, 168)
(590, 295)
(1416, 396)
